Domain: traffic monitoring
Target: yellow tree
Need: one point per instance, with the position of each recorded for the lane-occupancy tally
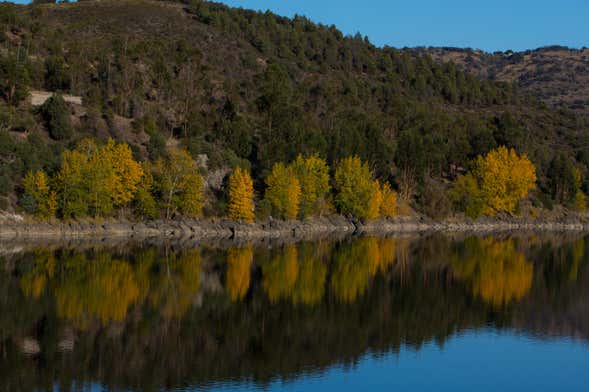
(388, 207)
(283, 191)
(496, 183)
(127, 172)
(375, 202)
(145, 204)
(313, 175)
(97, 179)
(180, 183)
(354, 187)
(241, 196)
(40, 200)
(72, 185)
(100, 178)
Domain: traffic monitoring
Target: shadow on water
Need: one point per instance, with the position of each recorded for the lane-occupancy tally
(148, 316)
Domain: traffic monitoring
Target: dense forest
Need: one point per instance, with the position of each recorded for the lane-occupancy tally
(238, 88)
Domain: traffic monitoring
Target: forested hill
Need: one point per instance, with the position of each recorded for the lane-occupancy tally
(250, 88)
(557, 75)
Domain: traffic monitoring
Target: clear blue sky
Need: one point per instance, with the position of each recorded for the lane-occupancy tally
(489, 25)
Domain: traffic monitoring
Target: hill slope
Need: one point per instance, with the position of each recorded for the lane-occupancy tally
(557, 75)
(243, 86)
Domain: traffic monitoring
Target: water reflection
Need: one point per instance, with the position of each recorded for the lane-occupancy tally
(151, 317)
(239, 264)
(495, 270)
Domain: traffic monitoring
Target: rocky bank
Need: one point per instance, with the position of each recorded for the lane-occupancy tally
(18, 229)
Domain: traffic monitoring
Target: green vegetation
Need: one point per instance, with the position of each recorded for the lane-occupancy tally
(238, 88)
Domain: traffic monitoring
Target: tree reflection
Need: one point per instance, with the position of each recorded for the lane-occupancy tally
(354, 264)
(495, 270)
(100, 288)
(176, 284)
(95, 286)
(310, 285)
(280, 274)
(239, 264)
(110, 305)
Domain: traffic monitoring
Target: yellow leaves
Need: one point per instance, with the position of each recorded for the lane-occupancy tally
(145, 204)
(361, 196)
(354, 186)
(313, 175)
(126, 171)
(71, 184)
(97, 178)
(497, 183)
(36, 189)
(241, 196)
(180, 184)
(580, 202)
(495, 270)
(239, 263)
(388, 208)
(283, 191)
(375, 201)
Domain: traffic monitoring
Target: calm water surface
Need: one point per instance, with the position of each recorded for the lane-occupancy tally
(432, 313)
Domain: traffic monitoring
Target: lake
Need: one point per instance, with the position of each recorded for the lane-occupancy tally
(410, 313)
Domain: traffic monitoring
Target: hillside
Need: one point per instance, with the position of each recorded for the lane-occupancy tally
(558, 76)
(252, 89)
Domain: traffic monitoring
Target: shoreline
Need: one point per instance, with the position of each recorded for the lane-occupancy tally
(223, 229)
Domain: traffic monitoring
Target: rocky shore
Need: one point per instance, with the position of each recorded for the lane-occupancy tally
(20, 230)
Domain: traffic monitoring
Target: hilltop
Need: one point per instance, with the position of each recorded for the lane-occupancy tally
(558, 76)
(238, 87)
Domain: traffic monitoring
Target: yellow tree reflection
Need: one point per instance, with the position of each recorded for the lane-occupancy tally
(100, 289)
(174, 287)
(310, 285)
(239, 263)
(35, 281)
(280, 274)
(354, 265)
(495, 270)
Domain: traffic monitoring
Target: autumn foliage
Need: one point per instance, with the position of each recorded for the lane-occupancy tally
(179, 184)
(359, 195)
(39, 199)
(283, 191)
(95, 180)
(496, 183)
(241, 196)
(313, 175)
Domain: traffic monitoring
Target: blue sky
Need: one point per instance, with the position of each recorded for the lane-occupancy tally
(490, 25)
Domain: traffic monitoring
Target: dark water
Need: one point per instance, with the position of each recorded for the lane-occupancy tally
(430, 313)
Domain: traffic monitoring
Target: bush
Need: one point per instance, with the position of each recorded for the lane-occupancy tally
(56, 113)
